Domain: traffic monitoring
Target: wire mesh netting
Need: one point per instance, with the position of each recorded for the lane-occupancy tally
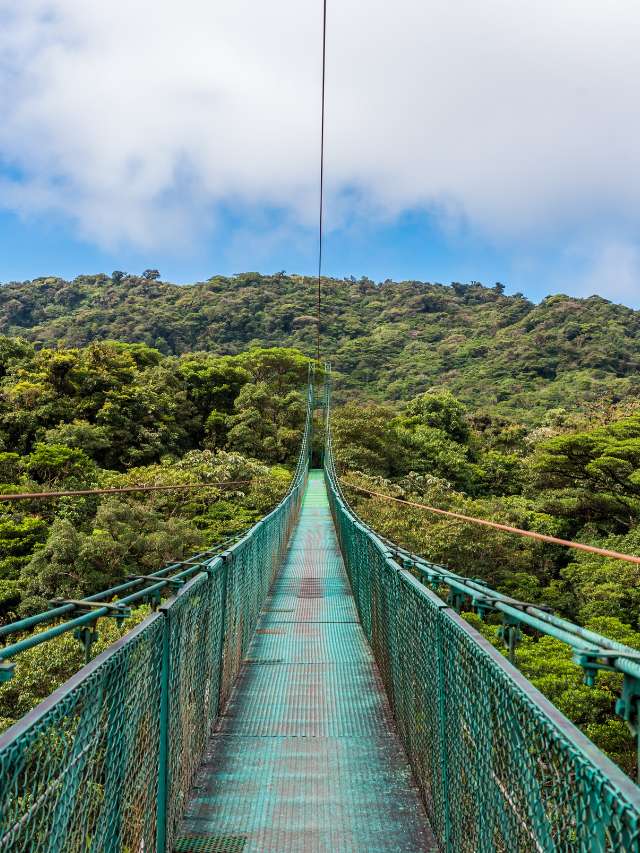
(82, 771)
(106, 762)
(499, 767)
(211, 624)
(195, 625)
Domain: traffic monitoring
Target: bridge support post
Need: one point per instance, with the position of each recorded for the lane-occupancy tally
(163, 752)
(442, 735)
(224, 568)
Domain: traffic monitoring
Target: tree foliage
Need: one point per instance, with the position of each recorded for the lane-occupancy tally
(501, 354)
(459, 397)
(574, 476)
(113, 414)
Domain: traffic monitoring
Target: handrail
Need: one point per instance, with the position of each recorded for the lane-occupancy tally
(487, 748)
(119, 607)
(482, 598)
(107, 761)
(591, 651)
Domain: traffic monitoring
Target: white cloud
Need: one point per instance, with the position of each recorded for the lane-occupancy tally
(137, 118)
(609, 266)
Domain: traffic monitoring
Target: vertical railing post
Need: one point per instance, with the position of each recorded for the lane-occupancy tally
(442, 734)
(228, 555)
(163, 752)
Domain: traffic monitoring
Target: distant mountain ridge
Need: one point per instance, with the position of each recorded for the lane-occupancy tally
(390, 340)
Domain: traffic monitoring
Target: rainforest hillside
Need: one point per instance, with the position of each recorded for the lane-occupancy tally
(117, 415)
(391, 340)
(576, 477)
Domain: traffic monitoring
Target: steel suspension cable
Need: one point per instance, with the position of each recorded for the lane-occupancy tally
(320, 215)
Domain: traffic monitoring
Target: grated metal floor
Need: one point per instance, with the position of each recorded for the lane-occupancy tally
(305, 757)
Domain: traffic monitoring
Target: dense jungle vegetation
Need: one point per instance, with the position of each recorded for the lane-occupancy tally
(459, 397)
(576, 476)
(115, 415)
(495, 352)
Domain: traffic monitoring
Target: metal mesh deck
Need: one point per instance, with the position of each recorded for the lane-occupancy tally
(305, 756)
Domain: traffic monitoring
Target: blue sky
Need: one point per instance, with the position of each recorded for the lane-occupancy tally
(495, 143)
(411, 247)
(414, 246)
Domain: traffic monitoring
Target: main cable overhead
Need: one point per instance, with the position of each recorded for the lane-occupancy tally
(324, 66)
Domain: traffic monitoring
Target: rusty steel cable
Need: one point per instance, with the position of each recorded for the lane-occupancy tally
(506, 528)
(76, 492)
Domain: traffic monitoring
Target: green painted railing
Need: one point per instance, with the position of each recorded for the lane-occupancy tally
(499, 767)
(106, 762)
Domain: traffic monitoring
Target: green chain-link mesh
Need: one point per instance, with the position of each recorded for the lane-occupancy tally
(499, 767)
(106, 762)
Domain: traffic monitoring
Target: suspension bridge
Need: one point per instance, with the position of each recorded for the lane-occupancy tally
(305, 688)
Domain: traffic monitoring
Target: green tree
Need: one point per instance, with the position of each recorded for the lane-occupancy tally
(438, 409)
(593, 476)
(53, 570)
(146, 420)
(266, 425)
(91, 439)
(10, 467)
(282, 368)
(19, 536)
(363, 439)
(57, 465)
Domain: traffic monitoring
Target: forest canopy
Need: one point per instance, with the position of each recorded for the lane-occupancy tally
(459, 397)
(393, 340)
(576, 476)
(114, 414)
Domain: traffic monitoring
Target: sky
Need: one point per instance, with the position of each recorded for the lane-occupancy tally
(493, 141)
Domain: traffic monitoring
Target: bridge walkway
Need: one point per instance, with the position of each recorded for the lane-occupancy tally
(305, 756)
